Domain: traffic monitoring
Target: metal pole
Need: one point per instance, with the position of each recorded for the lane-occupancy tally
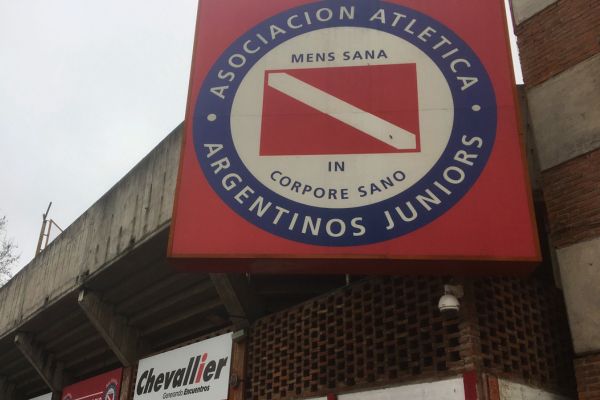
(43, 230)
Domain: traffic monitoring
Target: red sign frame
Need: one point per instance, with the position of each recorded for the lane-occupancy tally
(491, 229)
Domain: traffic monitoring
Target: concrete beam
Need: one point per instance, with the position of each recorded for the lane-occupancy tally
(525, 9)
(240, 300)
(580, 276)
(121, 338)
(133, 214)
(565, 121)
(203, 307)
(46, 365)
(195, 290)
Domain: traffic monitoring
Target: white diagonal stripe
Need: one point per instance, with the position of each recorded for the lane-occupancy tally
(368, 123)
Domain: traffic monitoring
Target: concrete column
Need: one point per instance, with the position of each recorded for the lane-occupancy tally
(238, 365)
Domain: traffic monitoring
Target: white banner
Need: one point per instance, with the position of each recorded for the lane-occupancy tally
(516, 391)
(448, 389)
(197, 371)
(43, 397)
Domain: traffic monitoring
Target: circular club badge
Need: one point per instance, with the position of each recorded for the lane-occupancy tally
(111, 392)
(342, 123)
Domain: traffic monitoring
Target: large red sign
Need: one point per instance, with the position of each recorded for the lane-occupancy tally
(102, 387)
(352, 129)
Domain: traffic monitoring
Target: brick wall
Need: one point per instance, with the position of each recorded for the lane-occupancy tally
(587, 370)
(572, 195)
(374, 333)
(558, 38)
(389, 331)
(523, 333)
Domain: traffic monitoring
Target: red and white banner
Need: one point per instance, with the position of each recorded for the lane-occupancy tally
(106, 386)
(340, 110)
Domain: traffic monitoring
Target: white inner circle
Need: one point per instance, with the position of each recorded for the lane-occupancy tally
(362, 172)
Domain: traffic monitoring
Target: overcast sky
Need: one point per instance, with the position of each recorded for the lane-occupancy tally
(87, 88)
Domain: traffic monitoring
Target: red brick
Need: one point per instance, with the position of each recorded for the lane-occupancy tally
(571, 192)
(587, 372)
(559, 37)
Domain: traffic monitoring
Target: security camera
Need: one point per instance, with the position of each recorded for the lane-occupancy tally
(449, 305)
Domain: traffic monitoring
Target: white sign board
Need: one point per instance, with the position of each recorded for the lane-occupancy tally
(452, 389)
(197, 371)
(516, 391)
(43, 397)
(449, 389)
